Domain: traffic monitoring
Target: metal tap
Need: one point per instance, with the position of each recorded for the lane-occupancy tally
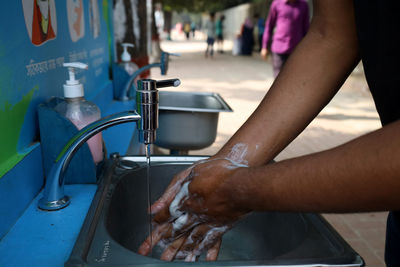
(147, 123)
(53, 196)
(147, 107)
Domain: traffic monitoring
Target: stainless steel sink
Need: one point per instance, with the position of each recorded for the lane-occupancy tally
(117, 224)
(188, 120)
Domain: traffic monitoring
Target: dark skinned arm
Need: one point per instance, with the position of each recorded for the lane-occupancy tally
(310, 78)
(358, 176)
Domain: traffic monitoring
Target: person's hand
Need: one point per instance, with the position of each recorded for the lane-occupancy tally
(264, 53)
(195, 211)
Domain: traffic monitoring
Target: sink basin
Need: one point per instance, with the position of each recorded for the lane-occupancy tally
(188, 120)
(117, 224)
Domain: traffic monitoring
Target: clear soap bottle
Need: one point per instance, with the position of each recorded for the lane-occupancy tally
(80, 111)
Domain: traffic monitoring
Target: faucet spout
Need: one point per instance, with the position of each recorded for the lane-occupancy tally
(53, 196)
(147, 99)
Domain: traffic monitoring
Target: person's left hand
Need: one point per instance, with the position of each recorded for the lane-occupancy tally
(194, 218)
(264, 53)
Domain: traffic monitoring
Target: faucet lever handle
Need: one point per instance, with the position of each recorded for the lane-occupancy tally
(168, 83)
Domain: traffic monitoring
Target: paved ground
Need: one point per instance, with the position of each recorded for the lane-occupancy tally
(243, 81)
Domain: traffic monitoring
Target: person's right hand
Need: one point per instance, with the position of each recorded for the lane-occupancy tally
(264, 53)
(195, 211)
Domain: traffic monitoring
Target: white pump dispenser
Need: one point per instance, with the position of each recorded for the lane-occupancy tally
(126, 58)
(80, 111)
(73, 88)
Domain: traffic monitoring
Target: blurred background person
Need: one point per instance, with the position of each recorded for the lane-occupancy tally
(210, 28)
(287, 23)
(219, 30)
(260, 30)
(247, 38)
(187, 29)
(193, 29)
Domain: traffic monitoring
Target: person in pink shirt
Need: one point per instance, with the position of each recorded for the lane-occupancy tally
(287, 23)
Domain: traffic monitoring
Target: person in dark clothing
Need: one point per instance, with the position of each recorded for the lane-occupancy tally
(260, 30)
(193, 29)
(210, 28)
(379, 54)
(360, 175)
(186, 30)
(219, 31)
(246, 34)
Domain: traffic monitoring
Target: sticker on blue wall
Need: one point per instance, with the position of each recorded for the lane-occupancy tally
(76, 21)
(40, 20)
(94, 18)
(44, 35)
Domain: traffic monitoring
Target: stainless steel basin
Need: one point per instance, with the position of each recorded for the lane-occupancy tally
(118, 223)
(188, 120)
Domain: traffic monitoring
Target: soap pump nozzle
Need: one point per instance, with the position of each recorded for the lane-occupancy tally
(72, 87)
(126, 57)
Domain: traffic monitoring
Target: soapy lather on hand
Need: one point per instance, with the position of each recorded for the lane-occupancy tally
(183, 226)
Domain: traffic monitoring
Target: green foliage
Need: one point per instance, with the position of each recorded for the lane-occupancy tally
(200, 5)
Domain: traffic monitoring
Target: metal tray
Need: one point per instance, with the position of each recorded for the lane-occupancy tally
(188, 120)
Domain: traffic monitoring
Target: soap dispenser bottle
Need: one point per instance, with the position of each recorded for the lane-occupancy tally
(126, 58)
(80, 111)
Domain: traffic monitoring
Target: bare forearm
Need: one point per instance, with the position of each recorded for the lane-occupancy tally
(362, 175)
(310, 78)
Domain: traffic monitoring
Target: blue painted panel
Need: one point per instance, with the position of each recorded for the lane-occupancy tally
(41, 238)
(24, 181)
(76, 30)
(80, 31)
(117, 138)
(18, 187)
(27, 68)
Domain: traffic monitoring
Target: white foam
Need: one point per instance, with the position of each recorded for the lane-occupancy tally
(237, 159)
(235, 164)
(175, 205)
(238, 153)
(181, 254)
(191, 257)
(210, 237)
(180, 222)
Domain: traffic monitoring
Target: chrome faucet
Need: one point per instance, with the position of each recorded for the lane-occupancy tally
(147, 107)
(53, 195)
(147, 104)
